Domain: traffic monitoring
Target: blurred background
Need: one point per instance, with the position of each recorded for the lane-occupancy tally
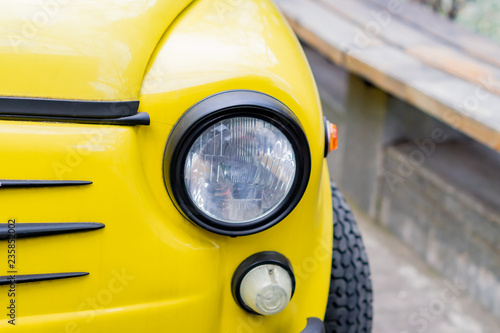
(482, 16)
(414, 88)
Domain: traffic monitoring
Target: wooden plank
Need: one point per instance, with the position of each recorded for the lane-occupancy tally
(422, 45)
(335, 30)
(439, 94)
(375, 23)
(458, 65)
(393, 70)
(433, 24)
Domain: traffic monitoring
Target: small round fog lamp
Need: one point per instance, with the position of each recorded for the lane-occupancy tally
(264, 283)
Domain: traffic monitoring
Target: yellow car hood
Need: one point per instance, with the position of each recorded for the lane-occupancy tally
(80, 49)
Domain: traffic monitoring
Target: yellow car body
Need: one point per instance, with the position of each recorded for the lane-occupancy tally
(150, 269)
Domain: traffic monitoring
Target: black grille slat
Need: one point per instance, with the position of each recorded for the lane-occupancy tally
(26, 230)
(7, 279)
(10, 183)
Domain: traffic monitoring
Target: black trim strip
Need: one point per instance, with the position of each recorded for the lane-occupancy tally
(16, 279)
(26, 230)
(9, 183)
(141, 118)
(327, 136)
(67, 108)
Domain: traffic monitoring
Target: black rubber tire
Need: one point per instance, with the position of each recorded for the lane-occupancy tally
(350, 301)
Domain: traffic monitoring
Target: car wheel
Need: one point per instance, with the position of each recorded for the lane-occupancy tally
(350, 298)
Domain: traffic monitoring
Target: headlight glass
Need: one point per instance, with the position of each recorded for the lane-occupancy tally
(239, 169)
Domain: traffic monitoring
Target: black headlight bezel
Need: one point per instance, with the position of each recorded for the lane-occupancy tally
(237, 103)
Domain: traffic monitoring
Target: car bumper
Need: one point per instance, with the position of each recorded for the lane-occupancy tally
(314, 325)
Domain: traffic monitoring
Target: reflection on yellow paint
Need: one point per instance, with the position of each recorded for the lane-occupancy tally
(226, 52)
(72, 49)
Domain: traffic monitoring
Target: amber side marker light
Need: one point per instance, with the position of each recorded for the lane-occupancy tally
(331, 137)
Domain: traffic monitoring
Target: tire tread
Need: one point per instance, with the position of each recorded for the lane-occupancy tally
(350, 299)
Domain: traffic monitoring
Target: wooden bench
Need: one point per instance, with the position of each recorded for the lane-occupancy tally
(410, 53)
(401, 75)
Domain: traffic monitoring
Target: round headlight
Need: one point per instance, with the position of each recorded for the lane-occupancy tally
(264, 283)
(237, 162)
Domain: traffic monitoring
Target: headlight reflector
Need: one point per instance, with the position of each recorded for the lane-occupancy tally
(239, 169)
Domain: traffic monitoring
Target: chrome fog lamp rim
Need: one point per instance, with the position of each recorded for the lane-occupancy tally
(254, 261)
(237, 103)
